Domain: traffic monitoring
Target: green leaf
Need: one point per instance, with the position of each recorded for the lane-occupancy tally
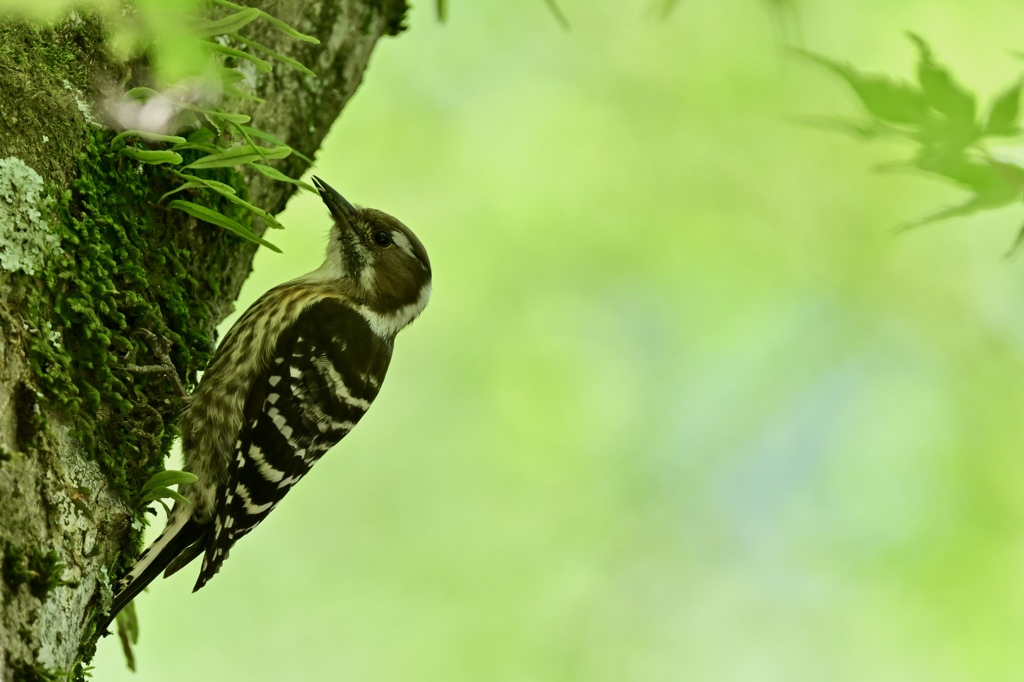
(242, 94)
(285, 28)
(168, 477)
(164, 493)
(216, 114)
(975, 204)
(867, 130)
(141, 93)
(995, 184)
(128, 633)
(208, 148)
(261, 65)
(221, 220)
(288, 30)
(942, 93)
(245, 153)
(940, 135)
(257, 133)
(131, 623)
(146, 135)
(275, 174)
(245, 136)
(961, 170)
(179, 188)
(562, 20)
(271, 220)
(279, 57)
(886, 99)
(1002, 118)
(201, 135)
(267, 137)
(230, 76)
(206, 182)
(153, 156)
(167, 510)
(229, 24)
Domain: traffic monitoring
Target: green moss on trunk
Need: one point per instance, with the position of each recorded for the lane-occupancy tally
(40, 570)
(124, 263)
(120, 270)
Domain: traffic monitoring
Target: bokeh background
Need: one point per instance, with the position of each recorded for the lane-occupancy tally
(684, 405)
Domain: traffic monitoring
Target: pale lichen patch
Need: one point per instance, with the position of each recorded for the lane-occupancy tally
(25, 236)
(83, 106)
(72, 490)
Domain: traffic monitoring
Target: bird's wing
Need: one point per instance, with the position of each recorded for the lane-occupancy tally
(325, 371)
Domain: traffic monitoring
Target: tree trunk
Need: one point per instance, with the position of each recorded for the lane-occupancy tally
(87, 258)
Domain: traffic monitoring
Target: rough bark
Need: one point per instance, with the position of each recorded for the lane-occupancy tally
(87, 255)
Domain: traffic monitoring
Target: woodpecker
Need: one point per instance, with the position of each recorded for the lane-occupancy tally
(294, 375)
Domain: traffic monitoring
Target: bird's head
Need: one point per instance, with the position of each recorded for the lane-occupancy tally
(379, 258)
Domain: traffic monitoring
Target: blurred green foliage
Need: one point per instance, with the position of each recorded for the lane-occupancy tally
(780, 6)
(682, 407)
(940, 116)
(442, 12)
(136, 27)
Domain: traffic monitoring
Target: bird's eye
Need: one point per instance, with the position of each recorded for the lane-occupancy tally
(383, 238)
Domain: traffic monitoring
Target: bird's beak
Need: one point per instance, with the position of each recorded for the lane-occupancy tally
(345, 236)
(342, 211)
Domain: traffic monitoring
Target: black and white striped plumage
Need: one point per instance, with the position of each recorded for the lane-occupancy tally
(291, 378)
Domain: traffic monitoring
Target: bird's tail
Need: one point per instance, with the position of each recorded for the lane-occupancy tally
(181, 533)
